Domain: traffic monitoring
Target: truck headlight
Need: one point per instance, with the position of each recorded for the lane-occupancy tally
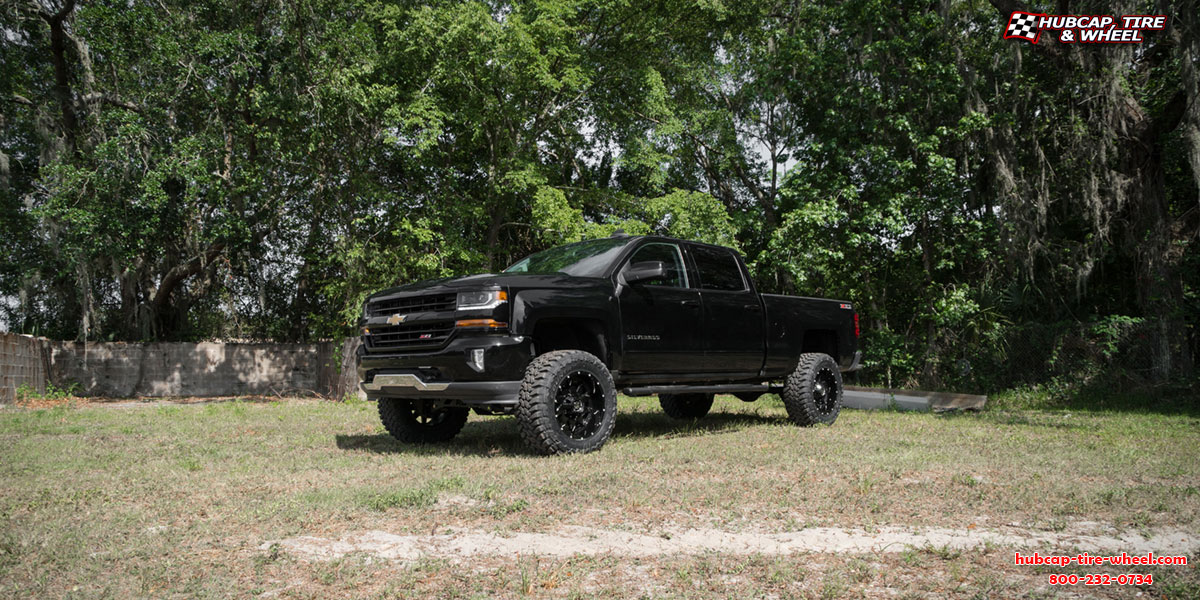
(485, 299)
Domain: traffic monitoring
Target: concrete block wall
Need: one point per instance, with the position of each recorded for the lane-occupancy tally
(125, 370)
(129, 370)
(22, 362)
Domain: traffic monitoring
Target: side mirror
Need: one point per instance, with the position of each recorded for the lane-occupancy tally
(645, 271)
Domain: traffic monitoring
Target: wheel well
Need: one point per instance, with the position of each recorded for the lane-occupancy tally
(570, 334)
(821, 340)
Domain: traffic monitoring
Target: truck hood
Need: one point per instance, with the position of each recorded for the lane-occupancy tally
(491, 280)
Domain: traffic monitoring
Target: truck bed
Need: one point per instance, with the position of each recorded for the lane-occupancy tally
(797, 324)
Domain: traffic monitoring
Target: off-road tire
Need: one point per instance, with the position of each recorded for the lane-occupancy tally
(402, 418)
(806, 394)
(550, 380)
(686, 407)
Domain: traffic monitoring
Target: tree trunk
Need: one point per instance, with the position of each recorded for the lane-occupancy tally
(62, 71)
(1159, 294)
(129, 304)
(168, 318)
(493, 237)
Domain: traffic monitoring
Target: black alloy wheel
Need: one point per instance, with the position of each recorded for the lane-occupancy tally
(812, 394)
(579, 405)
(826, 389)
(567, 404)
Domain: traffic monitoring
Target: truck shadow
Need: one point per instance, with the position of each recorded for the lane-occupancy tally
(498, 436)
(649, 424)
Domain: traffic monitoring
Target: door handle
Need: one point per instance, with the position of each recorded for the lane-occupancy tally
(752, 307)
(690, 303)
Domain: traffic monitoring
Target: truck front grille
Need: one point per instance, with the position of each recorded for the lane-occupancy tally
(411, 335)
(413, 304)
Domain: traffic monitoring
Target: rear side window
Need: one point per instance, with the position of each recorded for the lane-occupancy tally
(719, 269)
(672, 259)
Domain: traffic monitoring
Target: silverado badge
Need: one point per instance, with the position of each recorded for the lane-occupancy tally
(396, 319)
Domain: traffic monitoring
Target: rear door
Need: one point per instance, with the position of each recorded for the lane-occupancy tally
(659, 318)
(732, 328)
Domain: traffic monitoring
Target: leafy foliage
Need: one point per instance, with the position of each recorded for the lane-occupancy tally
(176, 171)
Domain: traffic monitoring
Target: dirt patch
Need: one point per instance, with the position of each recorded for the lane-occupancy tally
(576, 541)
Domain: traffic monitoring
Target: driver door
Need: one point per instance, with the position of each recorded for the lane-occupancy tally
(661, 317)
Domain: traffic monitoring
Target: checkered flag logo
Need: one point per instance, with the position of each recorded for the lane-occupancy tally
(1023, 26)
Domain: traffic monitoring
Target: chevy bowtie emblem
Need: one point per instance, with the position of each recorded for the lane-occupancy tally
(396, 319)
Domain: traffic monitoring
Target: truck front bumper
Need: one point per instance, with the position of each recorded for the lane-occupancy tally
(450, 373)
(468, 393)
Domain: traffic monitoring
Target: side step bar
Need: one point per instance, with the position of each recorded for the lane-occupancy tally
(730, 388)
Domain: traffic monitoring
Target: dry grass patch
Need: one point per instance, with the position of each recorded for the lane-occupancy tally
(177, 500)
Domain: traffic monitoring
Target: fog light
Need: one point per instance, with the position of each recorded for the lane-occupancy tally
(476, 360)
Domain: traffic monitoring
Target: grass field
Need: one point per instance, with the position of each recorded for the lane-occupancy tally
(198, 500)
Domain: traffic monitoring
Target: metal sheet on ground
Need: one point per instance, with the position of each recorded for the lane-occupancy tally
(877, 398)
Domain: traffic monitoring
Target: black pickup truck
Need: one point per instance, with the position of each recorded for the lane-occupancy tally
(553, 337)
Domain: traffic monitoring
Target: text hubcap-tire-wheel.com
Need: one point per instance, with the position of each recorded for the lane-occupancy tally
(825, 391)
(579, 405)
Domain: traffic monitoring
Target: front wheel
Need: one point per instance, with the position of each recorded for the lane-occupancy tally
(417, 422)
(568, 403)
(812, 394)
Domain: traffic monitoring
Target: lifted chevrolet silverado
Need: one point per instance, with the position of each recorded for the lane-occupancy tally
(553, 337)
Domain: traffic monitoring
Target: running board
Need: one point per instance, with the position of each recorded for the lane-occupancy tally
(730, 388)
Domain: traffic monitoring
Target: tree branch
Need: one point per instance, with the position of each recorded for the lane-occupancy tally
(180, 272)
(109, 99)
(56, 18)
(1171, 117)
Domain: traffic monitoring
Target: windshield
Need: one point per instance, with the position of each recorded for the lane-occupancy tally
(582, 259)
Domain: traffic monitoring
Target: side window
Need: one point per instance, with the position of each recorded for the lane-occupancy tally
(672, 259)
(719, 269)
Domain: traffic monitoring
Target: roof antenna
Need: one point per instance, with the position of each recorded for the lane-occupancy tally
(619, 233)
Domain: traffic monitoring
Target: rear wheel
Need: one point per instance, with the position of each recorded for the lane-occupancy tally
(568, 403)
(686, 406)
(417, 422)
(812, 394)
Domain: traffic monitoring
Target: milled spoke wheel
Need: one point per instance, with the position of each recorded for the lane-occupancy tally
(579, 405)
(812, 394)
(826, 391)
(568, 403)
(417, 422)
